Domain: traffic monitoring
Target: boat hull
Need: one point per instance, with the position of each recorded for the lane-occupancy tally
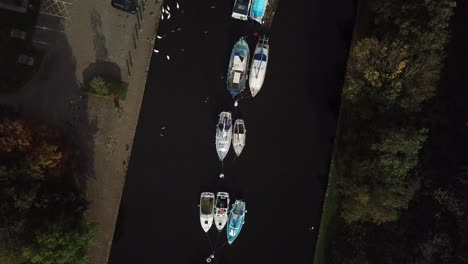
(257, 11)
(236, 221)
(223, 135)
(238, 65)
(206, 210)
(258, 68)
(220, 220)
(221, 210)
(239, 136)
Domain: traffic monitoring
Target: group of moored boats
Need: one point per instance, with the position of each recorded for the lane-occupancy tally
(236, 81)
(216, 210)
(238, 67)
(225, 134)
(253, 9)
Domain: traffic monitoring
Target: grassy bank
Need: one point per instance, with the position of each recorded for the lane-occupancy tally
(330, 213)
(392, 76)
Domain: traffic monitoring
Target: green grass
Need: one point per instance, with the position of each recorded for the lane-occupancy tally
(330, 212)
(329, 216)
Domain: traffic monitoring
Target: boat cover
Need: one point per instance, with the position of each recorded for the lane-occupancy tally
(260, 57)
(258, 8)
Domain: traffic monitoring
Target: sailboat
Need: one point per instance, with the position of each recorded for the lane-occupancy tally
(223, 134)
(238, 66)
(236, 220)
(259, 66)
(206, 210)
(239, 136)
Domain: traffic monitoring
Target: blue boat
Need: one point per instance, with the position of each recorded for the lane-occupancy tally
(238, 67)
(257, 11)
(236, 220)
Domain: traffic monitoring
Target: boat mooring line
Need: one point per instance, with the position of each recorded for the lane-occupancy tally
(209, 241)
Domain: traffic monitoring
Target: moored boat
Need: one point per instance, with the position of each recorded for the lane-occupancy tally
(259, 66)
(223, 134)
(241, 9)
(206, 210)
(238, 67)
(257, 11)
(221, 210)
(236, 220)
(239, 135)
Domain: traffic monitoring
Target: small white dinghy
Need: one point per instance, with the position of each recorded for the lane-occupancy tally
(206, 210)
(239, 136)
(223, 134)
(221, 210)
(259, 66)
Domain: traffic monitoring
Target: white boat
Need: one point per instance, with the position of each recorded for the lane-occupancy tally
(221, 210)
(239, 136)
(259, 66)
(206, 210)
(241, 9)
(223, 134)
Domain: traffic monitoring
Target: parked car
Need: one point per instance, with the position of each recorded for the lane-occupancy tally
(130, 6)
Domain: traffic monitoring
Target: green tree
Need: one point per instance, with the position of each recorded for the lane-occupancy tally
(62, 242)
(379, 186)
(99, 86)
(19, 192)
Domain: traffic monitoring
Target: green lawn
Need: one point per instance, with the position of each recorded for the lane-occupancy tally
(326, 233)
(330, 212)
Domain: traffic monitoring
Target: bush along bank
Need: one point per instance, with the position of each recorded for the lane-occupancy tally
(393, 74)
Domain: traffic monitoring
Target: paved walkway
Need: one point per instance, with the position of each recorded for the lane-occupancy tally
(81, 39)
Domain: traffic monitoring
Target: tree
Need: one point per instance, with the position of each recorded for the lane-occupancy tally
(15, 136)
(44, 157)
(19, 192)
(380, 185)
(99, 86)
(62, 242)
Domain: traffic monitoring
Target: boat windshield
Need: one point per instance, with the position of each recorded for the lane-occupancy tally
(260, 57)
(222, 203)
(207, 205)
(224, 126)
(240, 129)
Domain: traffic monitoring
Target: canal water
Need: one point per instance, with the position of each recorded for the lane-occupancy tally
(282, 172)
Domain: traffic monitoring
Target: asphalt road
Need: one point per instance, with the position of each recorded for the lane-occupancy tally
(282, 172)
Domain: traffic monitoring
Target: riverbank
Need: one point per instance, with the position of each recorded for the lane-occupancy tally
(81, 40)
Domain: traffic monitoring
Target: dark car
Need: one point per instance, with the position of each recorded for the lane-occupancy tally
(126, 5)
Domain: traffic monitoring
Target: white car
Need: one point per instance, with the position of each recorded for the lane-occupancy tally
(206, 210)
(241, 9)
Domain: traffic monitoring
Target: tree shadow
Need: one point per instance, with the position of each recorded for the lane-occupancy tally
(105, 69)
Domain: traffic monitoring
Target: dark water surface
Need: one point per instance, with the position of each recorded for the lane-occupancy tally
(282, 172)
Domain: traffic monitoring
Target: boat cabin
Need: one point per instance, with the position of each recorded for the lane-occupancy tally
(241, 9)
